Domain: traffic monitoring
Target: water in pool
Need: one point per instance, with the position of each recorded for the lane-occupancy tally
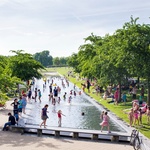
(73, 111)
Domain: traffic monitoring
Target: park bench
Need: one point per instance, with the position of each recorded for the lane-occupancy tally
(74, 133)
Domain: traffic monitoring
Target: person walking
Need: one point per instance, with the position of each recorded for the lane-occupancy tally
(105, 122)
(44, 115)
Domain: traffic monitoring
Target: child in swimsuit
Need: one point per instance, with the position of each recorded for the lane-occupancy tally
(130, 114)
(148, 115)
(136, 117)
(105, 122)
(59, 113)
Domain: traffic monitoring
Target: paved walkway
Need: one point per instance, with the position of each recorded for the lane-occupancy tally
(15, 141)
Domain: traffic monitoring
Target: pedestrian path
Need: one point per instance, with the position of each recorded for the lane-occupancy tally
(15, 141)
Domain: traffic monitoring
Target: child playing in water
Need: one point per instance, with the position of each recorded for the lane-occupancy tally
(105, 122)
(69, 100)
(74, 93)
(50, 96)
(58, 100)
(39, 95)
(79, 92)
(59, 113)
(64, 96)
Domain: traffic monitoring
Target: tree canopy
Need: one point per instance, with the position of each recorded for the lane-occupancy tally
(44, 58)
(113, 58)
(24, 66)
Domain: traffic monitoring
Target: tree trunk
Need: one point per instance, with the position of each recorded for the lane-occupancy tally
(148, 92)
(138, 82)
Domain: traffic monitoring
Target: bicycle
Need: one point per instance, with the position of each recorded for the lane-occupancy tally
(135, 140)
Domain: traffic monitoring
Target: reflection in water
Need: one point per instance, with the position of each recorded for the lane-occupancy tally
(73, 111)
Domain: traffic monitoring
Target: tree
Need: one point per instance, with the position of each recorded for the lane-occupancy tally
(7, 82)
(73, 62)
(63, 61)
(24, 66)
(56, 61)
(44, 58)
(137, 39)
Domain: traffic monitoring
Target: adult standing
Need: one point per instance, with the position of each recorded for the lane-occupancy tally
(50, 88)
(116, 96)
(55, 92)
(134, 91)
(29, 94)
(20, 105)
(35, 94)
(44, 115)
(15, 105)
(88, 85)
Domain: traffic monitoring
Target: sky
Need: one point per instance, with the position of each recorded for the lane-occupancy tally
(60, 26)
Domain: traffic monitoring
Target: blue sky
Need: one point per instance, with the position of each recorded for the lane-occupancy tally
(60, 26)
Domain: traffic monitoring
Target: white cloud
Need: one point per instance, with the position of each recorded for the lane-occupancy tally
(62, 25)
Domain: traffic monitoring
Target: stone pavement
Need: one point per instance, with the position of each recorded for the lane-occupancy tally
(15, 141)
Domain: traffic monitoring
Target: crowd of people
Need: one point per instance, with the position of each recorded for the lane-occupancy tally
(139, 106)
(33, 95)
(19, 105)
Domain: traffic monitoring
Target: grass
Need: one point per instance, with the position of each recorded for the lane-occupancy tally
(116, 109)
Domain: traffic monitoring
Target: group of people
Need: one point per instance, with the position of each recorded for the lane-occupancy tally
(19, 106)
(44, 116)
(54, 97)
(136, 112)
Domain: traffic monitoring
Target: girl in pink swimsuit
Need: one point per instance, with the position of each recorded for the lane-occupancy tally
(105, 122)
(136, 117)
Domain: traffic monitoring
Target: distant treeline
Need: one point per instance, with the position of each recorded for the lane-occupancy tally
(47, 60)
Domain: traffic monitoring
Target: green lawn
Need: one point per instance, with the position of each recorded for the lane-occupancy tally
(118, 110)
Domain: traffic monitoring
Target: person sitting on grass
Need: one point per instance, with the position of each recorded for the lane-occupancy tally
(11, 121)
